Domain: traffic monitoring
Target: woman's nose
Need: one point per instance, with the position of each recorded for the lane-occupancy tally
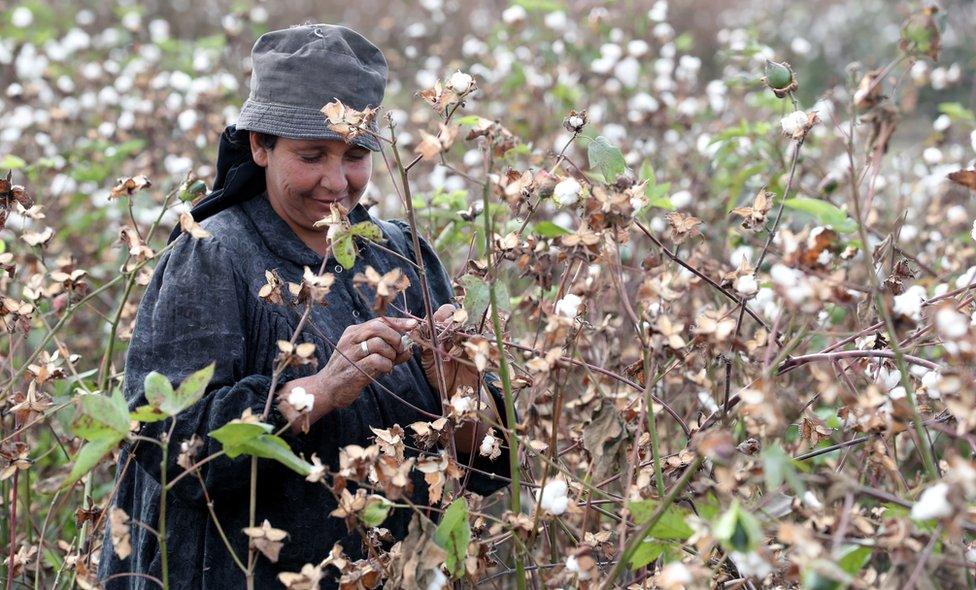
(333, 176)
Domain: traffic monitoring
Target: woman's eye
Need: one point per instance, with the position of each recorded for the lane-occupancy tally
(310, 159)
(356, 156)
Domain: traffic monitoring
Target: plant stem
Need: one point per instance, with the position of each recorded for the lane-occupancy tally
(637, 539)
(881, 305)
(512, 430)
(163, 549)
(652, 425)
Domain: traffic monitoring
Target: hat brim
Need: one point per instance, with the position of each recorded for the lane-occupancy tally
(294, 122)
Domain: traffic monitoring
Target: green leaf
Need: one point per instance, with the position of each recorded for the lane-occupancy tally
(89, 455)
(647, 175)
(190, 391)
(109, 412)
(957, 111)
(253, 438)
(12, 162)
(233, 435)
(646, 552)
(147, 414)
(657, 194)
(160, 394)
(853, 558)
(826, 213)
(607, 158)
(367, 230)
(344, 251)
(476, 297)
(539, 5)
(737, 530)
(376, 510)
(158, 389)
(708, 507)
(468, 120)
(548, 229)
(779, 467)
(269, 446)
(658, 197)
(670, 527)
(453, 535)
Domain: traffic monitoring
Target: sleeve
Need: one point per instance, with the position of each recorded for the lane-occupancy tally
(442, 291)
(192, 314)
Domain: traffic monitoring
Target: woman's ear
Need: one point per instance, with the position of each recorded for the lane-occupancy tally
(258, 152)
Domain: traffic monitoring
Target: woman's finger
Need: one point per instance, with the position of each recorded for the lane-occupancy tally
(381, 330)
(404, 356)
(444, 313)
(376, 365)
(401, 325)
(376, 345)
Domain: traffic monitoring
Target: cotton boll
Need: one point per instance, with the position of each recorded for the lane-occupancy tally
(956, 214)
(461, 404)
(627, 71)
(942, 123)
(187, 119)
(658, 12)
(106, 129)
(487, 445)
(663, 31)
(932, 156)
(132, 21)
(930, 381)
(675, 575)
(811, 501)
(793, 122)
(638, 47)
(746, 285)
(567, 192)
(909, 303)
(438, 581)
(800, 46)
(554, 499)
(514, 14)
(681, 199)
(573, 565)
(951, 324)
(569, 305)
(889, 379)
(751, 564)
(177, 165)
(920, 72)
(460, 82)
(158, 30)
(933, 503)
(300, 399)
(741, 254)
(556, 20)
(601, 65)
(21, 17)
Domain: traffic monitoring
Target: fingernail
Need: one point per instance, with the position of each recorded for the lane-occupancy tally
(411, 323)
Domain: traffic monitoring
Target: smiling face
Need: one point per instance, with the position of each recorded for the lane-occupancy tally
(305, 176)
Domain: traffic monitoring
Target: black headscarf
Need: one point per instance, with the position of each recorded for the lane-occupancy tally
(239, 178)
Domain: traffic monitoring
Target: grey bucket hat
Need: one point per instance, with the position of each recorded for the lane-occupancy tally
(297, 71)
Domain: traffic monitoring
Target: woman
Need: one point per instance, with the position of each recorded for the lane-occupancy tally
(279, 170)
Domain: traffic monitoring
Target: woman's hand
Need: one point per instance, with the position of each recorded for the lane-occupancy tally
(456, 374)
(352, 366)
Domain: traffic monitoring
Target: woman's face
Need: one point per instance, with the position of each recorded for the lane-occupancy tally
(305, 176)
